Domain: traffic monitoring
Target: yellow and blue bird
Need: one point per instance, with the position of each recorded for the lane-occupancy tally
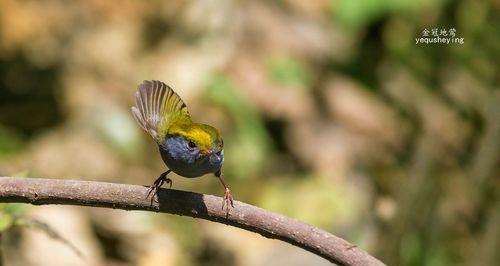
(188, 149)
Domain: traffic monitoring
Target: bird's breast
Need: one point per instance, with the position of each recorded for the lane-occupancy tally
(187, 165)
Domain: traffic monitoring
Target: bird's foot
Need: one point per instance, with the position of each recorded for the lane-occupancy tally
(228, 200)
(157, 185)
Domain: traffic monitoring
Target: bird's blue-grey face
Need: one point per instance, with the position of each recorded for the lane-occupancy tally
(186, 159)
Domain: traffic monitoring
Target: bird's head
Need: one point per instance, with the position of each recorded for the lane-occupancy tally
(197, 141)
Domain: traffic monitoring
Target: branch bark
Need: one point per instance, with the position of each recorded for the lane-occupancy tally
(39, 191)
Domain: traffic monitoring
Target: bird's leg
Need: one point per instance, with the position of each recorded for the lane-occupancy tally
(158, 183)
(228, 198)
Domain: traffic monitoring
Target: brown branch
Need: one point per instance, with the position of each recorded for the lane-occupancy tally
(39, 191)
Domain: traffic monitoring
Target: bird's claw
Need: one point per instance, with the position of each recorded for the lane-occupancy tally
(156, 185)
(151, 190)
(228, 200)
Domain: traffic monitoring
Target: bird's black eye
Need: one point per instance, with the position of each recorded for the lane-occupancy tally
(191, 144)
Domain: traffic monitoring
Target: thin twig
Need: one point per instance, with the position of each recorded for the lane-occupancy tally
(39, 191)
(49, 231)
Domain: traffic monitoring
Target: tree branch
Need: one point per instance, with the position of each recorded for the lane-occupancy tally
(39, 191)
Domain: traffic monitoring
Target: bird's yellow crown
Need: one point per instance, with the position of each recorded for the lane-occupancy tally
(204, 136)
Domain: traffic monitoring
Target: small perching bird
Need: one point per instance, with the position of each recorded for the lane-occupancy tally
(188, 149)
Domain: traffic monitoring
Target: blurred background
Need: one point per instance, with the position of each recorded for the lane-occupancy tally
(330, 112)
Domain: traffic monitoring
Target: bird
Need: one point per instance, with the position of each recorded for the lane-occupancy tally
(187, 148)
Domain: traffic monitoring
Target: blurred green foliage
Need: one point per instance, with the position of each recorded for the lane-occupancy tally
(358, 14)
(289, 71)
(10, 143)
(8, 214)
(247, 148)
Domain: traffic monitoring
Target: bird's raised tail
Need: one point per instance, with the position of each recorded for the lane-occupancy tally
(157, 107)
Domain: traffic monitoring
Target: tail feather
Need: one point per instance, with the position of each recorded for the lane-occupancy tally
(157, 106)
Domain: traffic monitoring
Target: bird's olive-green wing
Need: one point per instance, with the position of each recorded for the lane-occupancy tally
(158, 107)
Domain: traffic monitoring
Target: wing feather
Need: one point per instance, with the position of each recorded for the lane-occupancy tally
(157, 107)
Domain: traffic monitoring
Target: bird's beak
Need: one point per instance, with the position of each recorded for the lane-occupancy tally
(211, 154)
(206, 152)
